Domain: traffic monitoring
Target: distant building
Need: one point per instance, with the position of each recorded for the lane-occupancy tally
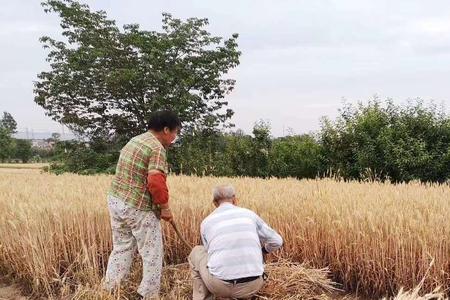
(43, 144)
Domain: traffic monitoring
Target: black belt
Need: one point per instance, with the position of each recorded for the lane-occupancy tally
(242, 280)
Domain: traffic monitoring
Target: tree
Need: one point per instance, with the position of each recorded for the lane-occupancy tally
(105, 81)
(417, 143)
(295, 156)
(388, 142)
(200, 152)
(56, 136)
(7, 127)
(248, 155)
(261, 146)
(239, 153)
(23, 150)
(84, 158)
(8, 122)
(5, 144)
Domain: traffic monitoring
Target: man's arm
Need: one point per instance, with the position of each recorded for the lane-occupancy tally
(270, 239)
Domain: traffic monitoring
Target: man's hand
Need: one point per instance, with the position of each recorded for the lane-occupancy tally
(166, 214)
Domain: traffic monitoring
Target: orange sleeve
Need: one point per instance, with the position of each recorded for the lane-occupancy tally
(156, 185)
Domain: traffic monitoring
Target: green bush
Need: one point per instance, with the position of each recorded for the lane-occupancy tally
(85, 158)
(388, 142)
(295, 156)
(376, 141)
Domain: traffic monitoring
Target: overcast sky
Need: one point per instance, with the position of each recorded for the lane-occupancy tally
(299, 58)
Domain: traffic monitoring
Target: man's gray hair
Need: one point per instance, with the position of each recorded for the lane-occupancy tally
(222, 192)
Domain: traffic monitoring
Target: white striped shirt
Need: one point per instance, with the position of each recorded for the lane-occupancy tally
(233, 237)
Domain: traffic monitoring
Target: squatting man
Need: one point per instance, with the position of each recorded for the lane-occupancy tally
(230, 262)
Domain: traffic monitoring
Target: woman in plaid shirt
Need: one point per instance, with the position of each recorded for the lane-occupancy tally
(137, 198)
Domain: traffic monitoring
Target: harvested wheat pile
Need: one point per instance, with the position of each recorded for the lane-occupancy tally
(286, 281)
(289, 280)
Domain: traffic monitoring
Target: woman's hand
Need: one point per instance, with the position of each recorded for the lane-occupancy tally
(166, 214)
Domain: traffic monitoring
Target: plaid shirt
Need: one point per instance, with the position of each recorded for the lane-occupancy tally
(140, 155)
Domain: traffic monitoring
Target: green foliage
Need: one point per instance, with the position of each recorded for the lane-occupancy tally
(6, 144)
(8, 122)
(98, 156)
(23, 150)
(399, 143)
(211, 152)
(106, 81)
(376, 141)
(261, 146)
(55, 136)
(7, 128)
(295, 156)
(200, 153)
(238, 154)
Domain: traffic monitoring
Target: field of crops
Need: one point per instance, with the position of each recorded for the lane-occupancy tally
(375, 238)
(35, 166)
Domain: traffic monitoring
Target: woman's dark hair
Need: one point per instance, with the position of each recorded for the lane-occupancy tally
(163, 118)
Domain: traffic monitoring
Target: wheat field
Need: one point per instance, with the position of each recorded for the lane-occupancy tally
(33, 166)
(375, 238)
